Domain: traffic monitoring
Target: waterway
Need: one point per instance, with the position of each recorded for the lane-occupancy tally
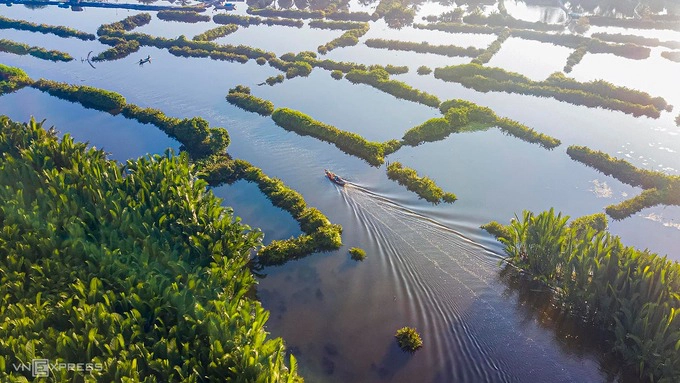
(428, 266)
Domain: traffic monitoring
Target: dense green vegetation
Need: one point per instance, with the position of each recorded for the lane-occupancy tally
(647, 23)
(41, 53)
(505, 20)
(274, 79)
(632, 295)
(592, 94)
(226, 18)
(350, 143)
(424, 47)
(493, 48)
(347, 39)
(127, 24)
(630, 51)
(195, 134)
(88, 96)
(633, 39)
(673, 56)
(121, 48)
(575, 57)
(461, 115)
(397, 13)
(181, 46)
(336, 74)
(12, 79)
(286, 13)
(357, 254)
(423, 186)
(349, 16)
(215, 33)
(660, 188)
(380, 79)
(423, 70)
(183, 16)
(452, 27)
(58, 30)
(134, 267)
(320, 235)
(391, 69)
(342, 25)
(408, 339)
(241, 97)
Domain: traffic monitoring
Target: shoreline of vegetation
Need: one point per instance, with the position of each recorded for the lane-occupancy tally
(597, 93)
(593, 45)
(493, 48)
(58, 30)
(12, 79)
(121, 48)
(215, 33)
(107, 265)
(630, 294)
(314, 14)
(659, 188)
(601, 21)
(424, 47)
(21, 49)
(207, 148)
(246, 21)
(424, 187)
(337, 24)
(182, 16)
(347, 39)
(633, 39)
(241, 97)
(462, 116)
(380, 79)
(351, 143)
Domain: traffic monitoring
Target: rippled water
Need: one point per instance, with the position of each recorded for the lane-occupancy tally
(428, 266)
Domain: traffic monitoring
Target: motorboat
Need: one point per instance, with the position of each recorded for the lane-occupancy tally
(335, 178)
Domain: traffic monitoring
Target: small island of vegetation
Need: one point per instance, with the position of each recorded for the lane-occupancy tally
(57, 30)
(408, 339)
(465, 116)
(341, 25)
(41, 53)
(379, 78)
(423, 186)
(357, 254)
(632, 295)
(215, 33)
(183, 16)
(241, 97)
(121, 48)
(424, 70)
(12, 79)
(347, 39)
(424, 47)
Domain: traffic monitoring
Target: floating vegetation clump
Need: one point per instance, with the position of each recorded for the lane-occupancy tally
(408, 339)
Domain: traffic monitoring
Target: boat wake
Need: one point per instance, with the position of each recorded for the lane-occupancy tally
(448, 285)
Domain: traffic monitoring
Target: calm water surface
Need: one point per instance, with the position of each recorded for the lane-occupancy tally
(428, 266)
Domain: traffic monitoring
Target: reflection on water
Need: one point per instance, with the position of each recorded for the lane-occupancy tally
(422, 274)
